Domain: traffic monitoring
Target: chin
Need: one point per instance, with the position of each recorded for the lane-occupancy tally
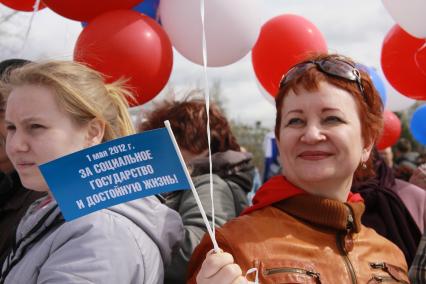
(316, 176)
(37, 185)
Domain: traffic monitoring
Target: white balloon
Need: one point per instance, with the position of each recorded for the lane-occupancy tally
(409, 14)
(265, 93)
(231, 27)
(395, 100)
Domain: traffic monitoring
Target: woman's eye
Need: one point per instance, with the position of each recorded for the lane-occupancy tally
(332, 119)
(295, 121)
(10, 127)
(36, 126)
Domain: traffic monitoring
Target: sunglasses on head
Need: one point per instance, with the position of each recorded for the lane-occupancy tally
(336, 67)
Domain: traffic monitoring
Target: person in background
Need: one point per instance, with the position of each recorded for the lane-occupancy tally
(231, 166)
(14, 198)
(417, 272)
(387, 156)
(54, 109)
(305, 225)
(405, 159)
(421, 158)
(419, 176)
(394, 208)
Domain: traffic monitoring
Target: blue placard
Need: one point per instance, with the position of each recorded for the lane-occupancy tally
(114, 172)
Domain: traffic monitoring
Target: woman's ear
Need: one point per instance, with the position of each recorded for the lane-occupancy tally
(366, 152)
(95, 132)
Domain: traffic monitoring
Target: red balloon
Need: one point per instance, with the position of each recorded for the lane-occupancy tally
(84, 10)
(283, 42)
(391, 130)
(125, 43)
(399, 65)
(420, 58)
(22, 5)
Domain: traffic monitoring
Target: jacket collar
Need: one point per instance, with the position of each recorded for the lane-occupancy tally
(324, 212)
(279, 188)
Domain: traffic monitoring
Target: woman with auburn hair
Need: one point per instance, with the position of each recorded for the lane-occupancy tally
(305, 225)
(54, 109)
(232, 172)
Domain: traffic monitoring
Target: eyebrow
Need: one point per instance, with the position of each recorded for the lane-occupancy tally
(299, 111)
(322, 110)
(331, 109)
(27, 119)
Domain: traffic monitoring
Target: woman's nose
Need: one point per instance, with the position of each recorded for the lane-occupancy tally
(16, 142)
(312, 134)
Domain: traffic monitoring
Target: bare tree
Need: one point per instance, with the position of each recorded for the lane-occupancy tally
(12, 32)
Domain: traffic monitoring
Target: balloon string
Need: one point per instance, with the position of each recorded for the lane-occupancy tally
(27, 34)
(207, 99)
(250, 271)
(191, 184)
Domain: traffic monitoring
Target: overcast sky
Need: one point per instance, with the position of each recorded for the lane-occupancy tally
(352, 27)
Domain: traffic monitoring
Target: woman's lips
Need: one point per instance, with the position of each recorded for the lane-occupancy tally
(314, 155)
(24, 165)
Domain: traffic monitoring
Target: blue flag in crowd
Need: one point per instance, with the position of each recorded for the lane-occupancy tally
(114, 172)
(272, 165)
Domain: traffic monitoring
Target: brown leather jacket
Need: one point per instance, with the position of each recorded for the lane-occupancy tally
(307, 239)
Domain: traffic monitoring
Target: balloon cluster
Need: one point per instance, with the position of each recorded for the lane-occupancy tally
(132, 39)
(403, 57)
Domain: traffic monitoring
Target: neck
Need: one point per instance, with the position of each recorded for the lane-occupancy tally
(334, 189)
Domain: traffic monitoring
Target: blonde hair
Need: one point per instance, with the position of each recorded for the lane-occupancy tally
(80, 91)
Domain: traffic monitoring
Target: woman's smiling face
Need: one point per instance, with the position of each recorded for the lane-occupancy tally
(320, 140)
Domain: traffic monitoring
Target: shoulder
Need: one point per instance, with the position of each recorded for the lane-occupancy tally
(411, 195)
(202, 185)
(257, 224)
(204, 179)
(382, 247)
(102, 247)
(100, 229)
(402, 185)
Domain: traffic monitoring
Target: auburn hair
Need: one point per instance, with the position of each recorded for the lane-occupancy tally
(188, 120)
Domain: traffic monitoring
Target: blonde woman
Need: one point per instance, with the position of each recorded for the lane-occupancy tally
(54, 109)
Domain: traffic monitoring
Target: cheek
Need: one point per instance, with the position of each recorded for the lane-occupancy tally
(288, 140)
(285, 147)
(8, 146)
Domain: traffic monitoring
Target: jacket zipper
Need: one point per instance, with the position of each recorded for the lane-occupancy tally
(343, 253)
(383, 266)
(381, 279)
(270, 271)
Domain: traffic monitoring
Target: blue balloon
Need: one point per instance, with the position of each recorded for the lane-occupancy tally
(146, 7)
(377, 81)
(418, 125)
(149, 8)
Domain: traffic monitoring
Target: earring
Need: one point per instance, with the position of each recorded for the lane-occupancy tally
(364, 166)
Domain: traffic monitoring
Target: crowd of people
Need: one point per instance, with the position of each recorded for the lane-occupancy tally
(337, 210)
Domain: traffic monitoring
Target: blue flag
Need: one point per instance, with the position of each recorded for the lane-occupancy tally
(114, 172)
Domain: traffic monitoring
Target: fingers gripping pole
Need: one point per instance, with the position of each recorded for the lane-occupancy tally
(194, 192)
